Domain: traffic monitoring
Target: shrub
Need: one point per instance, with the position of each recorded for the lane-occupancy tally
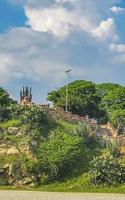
(28, 114)
(107, 171)
(5, 102)
(11, 123)
(83, 131)
(117, 118)
(15, 168)
(113, 147)
(59, 156)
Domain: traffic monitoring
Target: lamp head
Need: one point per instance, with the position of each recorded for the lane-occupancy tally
(69, 70)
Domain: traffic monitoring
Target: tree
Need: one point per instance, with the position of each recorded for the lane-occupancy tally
(83, 99)
(117, 119)
(105, 88)
(114, 100)
(5, 101)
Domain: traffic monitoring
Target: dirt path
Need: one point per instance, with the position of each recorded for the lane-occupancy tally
(20, 195)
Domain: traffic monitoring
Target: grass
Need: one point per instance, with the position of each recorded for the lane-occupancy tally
(10, 123)
(123, 150)
(79, 184)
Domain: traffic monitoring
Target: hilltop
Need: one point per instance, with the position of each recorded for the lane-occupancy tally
(53, 150)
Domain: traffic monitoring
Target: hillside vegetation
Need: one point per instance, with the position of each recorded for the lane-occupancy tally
(105, 102)
(39, 151)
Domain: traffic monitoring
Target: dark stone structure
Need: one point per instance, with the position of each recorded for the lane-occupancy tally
(26, 96)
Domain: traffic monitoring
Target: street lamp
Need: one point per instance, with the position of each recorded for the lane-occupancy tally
(67, 75)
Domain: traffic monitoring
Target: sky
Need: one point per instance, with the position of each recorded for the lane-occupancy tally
(40, 39)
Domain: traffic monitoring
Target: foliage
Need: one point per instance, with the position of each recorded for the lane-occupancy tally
(102, 91)
(107, 171)
(59, 156)
(113, 147)
(83, 99)
(4, 97)
(117, 118)
(104, 88)
(5, 101)
(83, 130)
(63, 149)
(67, 127)
(81, 184)
(87, 98)
(10, 123)
(14, 166)
(114, 100)
(28, 114)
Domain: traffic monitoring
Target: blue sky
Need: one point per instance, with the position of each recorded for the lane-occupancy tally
(40, 39)
(11, 16)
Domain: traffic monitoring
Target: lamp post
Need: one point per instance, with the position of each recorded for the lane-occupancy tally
(67, 75)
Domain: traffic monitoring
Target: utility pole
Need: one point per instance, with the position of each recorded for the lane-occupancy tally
(67, 76)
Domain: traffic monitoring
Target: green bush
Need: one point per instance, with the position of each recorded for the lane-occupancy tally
(67, 127)
(113, 147)
(5, 102)
(107, 171)
(117, 118)
(28, 114)
(11, 123)
(59, 156)
(83, 131)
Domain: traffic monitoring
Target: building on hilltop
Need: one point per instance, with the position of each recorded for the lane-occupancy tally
(26, 96)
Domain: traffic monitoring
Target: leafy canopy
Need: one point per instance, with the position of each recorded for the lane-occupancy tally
(82, 100)
(5, 101)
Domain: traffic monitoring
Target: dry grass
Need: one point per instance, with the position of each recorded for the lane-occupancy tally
(122, 151)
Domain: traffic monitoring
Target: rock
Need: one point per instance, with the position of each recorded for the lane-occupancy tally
(22, 148)
(27, 181)
(12, 130)
(6, 166)
(3, 152)
(25, 131)
(34, 143)
(9, 167)
(3, 146)
(19, 134)
(1, 129)
(12, 151)
(1, 171)
(24, 181)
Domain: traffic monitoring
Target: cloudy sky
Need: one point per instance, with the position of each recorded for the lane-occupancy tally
(40, 39)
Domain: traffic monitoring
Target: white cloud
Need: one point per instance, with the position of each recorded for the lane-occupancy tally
(5, 61)
(32, 55)
(117, 47)
(61, 22)
(106, 29)
(62, 17)
(56, 20)
(116, 9)
(28, 54)
(119, 50)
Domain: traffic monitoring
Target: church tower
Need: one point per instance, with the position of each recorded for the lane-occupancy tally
(26, 96)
